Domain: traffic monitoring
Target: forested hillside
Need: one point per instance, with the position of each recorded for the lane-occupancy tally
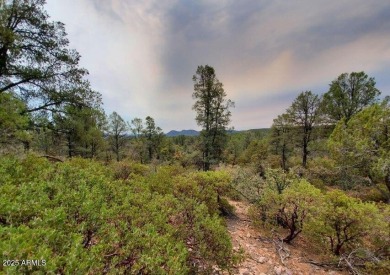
(85, 192)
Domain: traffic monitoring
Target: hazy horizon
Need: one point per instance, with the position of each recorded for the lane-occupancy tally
(142, 55)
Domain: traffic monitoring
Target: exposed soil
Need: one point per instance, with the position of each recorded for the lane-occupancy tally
(264, 255)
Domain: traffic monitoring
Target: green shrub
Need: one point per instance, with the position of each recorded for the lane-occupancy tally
(204, 187)
(246, 183)
(125, 170)
(344, 222)
(79, 219)
(290, 209)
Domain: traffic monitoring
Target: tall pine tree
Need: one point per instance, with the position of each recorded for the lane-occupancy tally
(213, 113)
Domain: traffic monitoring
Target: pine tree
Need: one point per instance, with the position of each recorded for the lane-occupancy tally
(213, 113)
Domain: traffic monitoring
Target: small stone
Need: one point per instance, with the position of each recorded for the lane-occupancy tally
(216, 269)
(245, 272)
(248, 235)
(288, 272)
(278, 270)
(262, 260)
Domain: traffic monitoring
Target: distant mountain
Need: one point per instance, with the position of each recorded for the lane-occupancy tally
(174, 133)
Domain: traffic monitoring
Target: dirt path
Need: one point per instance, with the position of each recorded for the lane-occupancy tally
(261, 254)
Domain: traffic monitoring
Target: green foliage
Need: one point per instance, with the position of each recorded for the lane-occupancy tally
(361, 146)
(35, 61)
(255, 154)
(234, 149)
(304, 115)
(290, 209)
(12, 122)
(299, 127)
(349, 94)
(79, 128)
(281, 140)
(148, 143)
(40, 81)
(381, 268)
(322, 172)
(206, 187)
(117, 130)
(250, 184)
(212, 113)
(127, 170)
(246, 183)
(185, 151)
(278, 180)
(80, 219)
(343, 222)
(154, 138)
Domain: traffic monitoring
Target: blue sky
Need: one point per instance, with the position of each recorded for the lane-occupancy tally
(142, 55)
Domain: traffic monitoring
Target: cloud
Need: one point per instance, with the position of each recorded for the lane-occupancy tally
(142, 54)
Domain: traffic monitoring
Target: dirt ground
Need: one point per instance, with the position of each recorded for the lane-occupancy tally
(264, 255)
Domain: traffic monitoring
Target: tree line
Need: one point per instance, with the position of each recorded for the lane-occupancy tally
(48, 105)
(292, 173)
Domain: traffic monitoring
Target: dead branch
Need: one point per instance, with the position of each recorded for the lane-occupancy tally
(111, 255)
(326, 265)
(51, 158)
(281, 250)
(353, 261)
(333, 266)
(349, 265)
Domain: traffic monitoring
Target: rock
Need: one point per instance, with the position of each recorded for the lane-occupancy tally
(278, 270)
(248, 235)
(262, 260)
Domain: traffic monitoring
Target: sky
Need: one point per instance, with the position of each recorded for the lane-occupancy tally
(141, 55)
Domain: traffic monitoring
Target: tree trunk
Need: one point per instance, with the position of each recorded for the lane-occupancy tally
(206, 162)
(69, 146)
(305, 152)
(3, 60)
(284, 158)
(387, 182)
(338, 249)
(117, 147)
